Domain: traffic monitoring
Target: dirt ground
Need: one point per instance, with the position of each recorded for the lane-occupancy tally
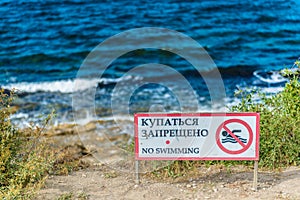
(102, 182)
(105, 181)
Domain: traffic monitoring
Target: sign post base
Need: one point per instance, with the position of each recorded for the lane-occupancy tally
(255, 177)
(137, 178)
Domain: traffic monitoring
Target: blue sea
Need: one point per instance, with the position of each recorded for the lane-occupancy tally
(44, 43)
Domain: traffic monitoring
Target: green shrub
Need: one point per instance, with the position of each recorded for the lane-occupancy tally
(279, 124)
(279, 129)
(24, 158)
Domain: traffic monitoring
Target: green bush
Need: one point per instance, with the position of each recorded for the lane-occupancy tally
(24, 159)
(279, 129)
(279, 124)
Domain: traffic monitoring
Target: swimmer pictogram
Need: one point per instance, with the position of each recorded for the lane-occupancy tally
(230, 139)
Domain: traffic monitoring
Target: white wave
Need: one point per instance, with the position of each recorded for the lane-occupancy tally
(270, 77)
(272, 90)
(19, 116)
(106, 81)
(265, 90)
(63, 86)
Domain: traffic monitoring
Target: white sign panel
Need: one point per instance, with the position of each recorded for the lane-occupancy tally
(197, 136)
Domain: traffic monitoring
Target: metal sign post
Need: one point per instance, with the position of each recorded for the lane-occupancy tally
(137, 178)
(255, 177)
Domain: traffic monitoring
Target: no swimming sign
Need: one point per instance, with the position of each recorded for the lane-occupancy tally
(197, 136)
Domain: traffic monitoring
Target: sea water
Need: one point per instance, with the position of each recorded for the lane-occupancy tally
(43, 45)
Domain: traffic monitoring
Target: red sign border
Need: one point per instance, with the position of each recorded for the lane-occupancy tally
(245, 114)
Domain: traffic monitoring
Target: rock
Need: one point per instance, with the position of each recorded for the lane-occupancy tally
(5, 91)
(62, 129)
(90, 126)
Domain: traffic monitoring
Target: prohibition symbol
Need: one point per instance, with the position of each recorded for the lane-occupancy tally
(240, 144)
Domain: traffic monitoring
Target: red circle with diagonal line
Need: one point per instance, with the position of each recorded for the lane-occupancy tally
(244, 147)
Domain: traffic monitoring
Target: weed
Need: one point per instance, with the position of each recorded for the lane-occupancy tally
(66, 196)
(111, 174)
(82, 196)
(24, 158)
(67, 159)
